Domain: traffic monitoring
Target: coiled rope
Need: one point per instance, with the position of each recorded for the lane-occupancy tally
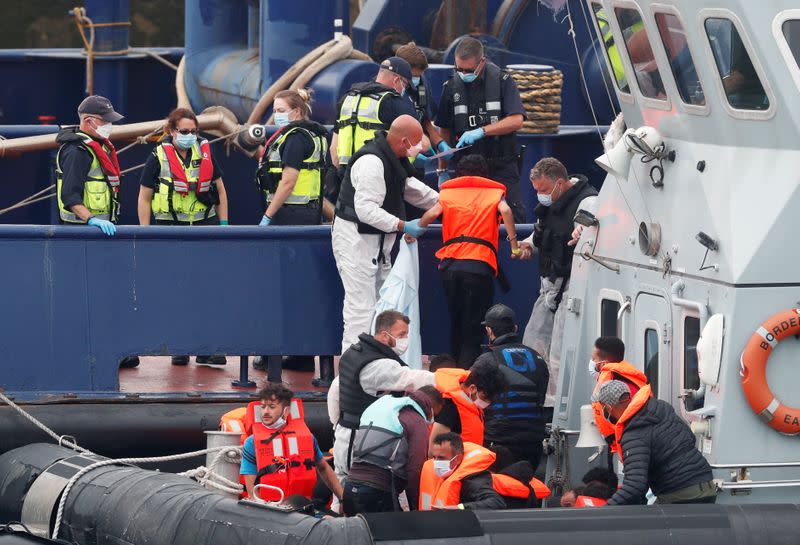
(206, 476)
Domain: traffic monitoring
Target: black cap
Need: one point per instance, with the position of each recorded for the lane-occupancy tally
(500, 318)
(398, 66)
(99, 106)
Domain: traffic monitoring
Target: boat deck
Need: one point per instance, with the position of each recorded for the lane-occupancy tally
(156, 374)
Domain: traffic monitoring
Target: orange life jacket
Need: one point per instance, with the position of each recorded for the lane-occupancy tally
(448, 382)
(435, 491)
(179, 181)
(470, 223)
(634, 407)
(234, 421)
(589, 501)
(284, 458)
(613, 371)
(505, 485)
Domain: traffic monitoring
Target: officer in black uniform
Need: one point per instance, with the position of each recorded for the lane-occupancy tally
(514, 422)
(481, 107)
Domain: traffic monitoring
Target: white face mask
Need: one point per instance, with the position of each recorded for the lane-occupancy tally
(481, 404)
(442, 467)
(414, 150)
(593, 369)
(104, 131)
(400, 345)
(279, 423)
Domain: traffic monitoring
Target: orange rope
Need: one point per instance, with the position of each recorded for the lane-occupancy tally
(82, 22)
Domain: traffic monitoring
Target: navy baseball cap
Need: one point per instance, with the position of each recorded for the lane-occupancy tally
(500, 317)
(398, 66)
(99, 106)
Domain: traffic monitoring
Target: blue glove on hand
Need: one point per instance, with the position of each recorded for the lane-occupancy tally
(443, 177)
(413, 228)
(104, 225)
(420, 160)
(265, 220)
(470, 137)
(443, 147)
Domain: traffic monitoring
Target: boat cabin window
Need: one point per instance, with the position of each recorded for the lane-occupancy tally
(601, 19)
(680, 59)
(691, 374)
(651, 345)
(640, 53)
(608, 318)
(743, 89)
(791, 31)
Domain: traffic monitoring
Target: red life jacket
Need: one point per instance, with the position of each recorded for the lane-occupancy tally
(470, 223)
(635, 379)
(179, 180)
(589, 501)
(285, 458)
(108, 160)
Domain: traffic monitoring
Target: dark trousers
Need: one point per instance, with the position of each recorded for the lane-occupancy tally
(469, 296)
(363, 498)
(213, 220)
(508, 175)
(298, 214)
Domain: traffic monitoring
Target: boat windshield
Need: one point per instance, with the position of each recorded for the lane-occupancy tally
(641, 53)
(743, 89)
(791, 31)
(680, 59)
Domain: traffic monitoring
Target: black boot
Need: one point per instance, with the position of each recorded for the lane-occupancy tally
(325, 373)
(211, 360)
(180, 360)
(129, 362)
(298, 363)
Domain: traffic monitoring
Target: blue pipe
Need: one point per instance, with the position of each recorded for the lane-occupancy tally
(110, 74)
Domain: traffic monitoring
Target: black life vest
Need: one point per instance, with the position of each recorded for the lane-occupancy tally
(477, 105)
(395, 172)
(515, 416)
(353, 400)
(553, 229)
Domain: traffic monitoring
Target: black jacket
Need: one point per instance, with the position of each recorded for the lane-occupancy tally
(477, 492)
(659, 452)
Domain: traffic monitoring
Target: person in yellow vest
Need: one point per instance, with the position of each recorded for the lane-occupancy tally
(466, 394)
(181, 184)
(88, 173)
(471, 207)
(458, 477)
(370, 107)
(87, 170)
(289, 178)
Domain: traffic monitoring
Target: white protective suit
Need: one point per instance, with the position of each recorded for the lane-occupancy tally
(400, 292)
(383, 375)
(357, 254)
(546, 325)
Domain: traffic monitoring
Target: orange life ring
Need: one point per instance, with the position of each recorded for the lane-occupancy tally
(754, 372)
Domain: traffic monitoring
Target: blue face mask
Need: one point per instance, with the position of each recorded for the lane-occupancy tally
(545, 200)
(416, 80)
(281, 119)
(468, 78)
(185, 141)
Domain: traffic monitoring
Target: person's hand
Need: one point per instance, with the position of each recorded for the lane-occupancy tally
(443, 177)
(265, 220)
(443, 146)
(443, 507)
(413, 228)
(576, 235)
(526, 251)
(104, 225)
(420, 160)
(470, 137)
(409, 239)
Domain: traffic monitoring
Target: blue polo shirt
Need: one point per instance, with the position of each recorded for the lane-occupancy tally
(249, 466)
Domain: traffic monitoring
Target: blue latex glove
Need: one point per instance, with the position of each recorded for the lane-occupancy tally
(413, 228)
(470, 137)
(443, 147)
(420, 160)
(104, 225)
(265, 220)
(443, 177)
